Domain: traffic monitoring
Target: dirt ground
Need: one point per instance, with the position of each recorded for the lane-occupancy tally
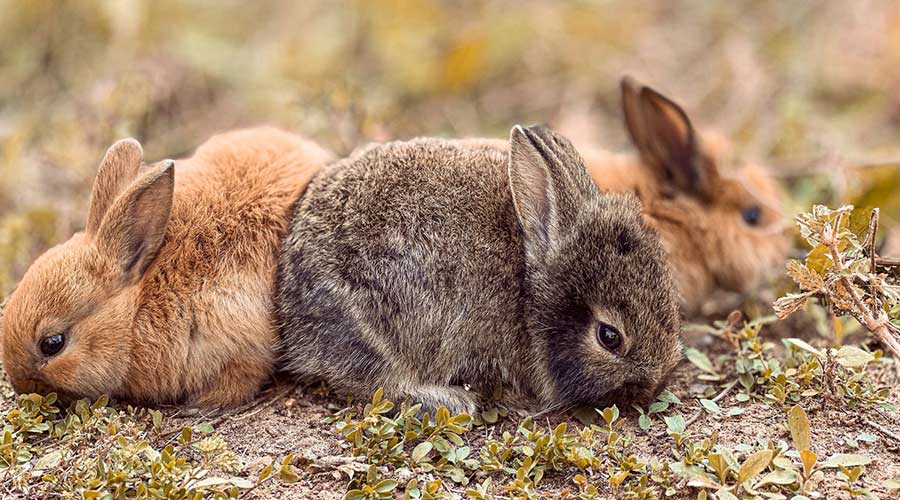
(294, 423)
(286, 419)
(289, 419)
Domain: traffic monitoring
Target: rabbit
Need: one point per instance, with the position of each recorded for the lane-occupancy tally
(165, 297)
(452, 272)
(891, 245)
(722, 230)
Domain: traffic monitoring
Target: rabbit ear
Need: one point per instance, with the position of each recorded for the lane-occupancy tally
(134, 226)
(548, 182)
(118, 169)
(666, 139)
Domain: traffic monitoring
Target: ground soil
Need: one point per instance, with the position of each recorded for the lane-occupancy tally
(287, 419)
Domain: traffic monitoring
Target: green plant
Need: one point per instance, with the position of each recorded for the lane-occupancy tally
(802, 372)
(99, 451)
(843, 271)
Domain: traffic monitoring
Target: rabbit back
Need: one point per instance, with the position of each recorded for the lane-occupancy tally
(403, 264)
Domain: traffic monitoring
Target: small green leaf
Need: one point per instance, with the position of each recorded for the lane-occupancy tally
(675, 424)
(156, 416)
(668, 397)
(754, 464)
(710, 405)
(355, 495)
(700, 360)
(49, 461)
(644, 421)
(853, 357)
(441, 445)
(866, 437)
(204, 428)
(724, 494)
(386, 486)
(264, 474)
(780, 476)
(846, 460)
(802, 345)
(490, 415)
(287, 474)
(421, 451)
(798, 423)
(658, 407)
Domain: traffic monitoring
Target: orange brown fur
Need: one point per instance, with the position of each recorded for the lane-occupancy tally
(188, 321)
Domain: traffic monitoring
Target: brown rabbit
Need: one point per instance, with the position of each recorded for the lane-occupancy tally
(722, 229)
(891, 246)
(448, 271)
(166, 295)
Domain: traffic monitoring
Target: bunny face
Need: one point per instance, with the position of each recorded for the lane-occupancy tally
(67, 327)
(719, 218)
(79, 342)
(614, 309)
(605, 308)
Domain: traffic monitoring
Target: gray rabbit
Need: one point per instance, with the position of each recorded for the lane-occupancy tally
(451, 272)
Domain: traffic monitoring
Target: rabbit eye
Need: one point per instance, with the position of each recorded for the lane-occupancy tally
(751, 215)
(609, 337)
(52, 344)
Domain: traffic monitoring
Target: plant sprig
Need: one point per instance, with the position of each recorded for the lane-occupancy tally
(844, 272)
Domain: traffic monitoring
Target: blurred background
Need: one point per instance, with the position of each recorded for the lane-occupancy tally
(808, 88)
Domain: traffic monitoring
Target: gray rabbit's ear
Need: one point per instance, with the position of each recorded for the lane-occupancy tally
(666, 139)
(548, 182)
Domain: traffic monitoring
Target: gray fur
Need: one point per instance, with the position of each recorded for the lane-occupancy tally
(452, 272)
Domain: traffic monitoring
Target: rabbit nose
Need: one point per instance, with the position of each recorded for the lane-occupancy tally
(29, 385)
(633, 392)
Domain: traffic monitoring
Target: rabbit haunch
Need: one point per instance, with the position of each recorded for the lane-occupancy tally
(166, 295)
(431, 267)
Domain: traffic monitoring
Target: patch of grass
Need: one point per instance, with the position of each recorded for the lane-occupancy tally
(800, 373)
(98, 451)
(593, 459)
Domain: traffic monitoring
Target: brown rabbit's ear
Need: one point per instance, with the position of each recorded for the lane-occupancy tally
(134, 226)
(666, 139)
(548, 181)
(118, 169)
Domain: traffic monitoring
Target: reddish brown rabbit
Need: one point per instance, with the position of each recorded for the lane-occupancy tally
(166, 295)
(720, 223)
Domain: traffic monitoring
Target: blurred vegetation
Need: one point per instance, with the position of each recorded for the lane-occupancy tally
(809, 87)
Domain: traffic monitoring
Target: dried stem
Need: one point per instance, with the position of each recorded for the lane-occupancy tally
(887, 261)
(873, 228)
(882, 429)
(874, 319)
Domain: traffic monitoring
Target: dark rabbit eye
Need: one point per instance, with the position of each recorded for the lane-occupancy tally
(52, 344)
(609, 337)
(751, 215)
